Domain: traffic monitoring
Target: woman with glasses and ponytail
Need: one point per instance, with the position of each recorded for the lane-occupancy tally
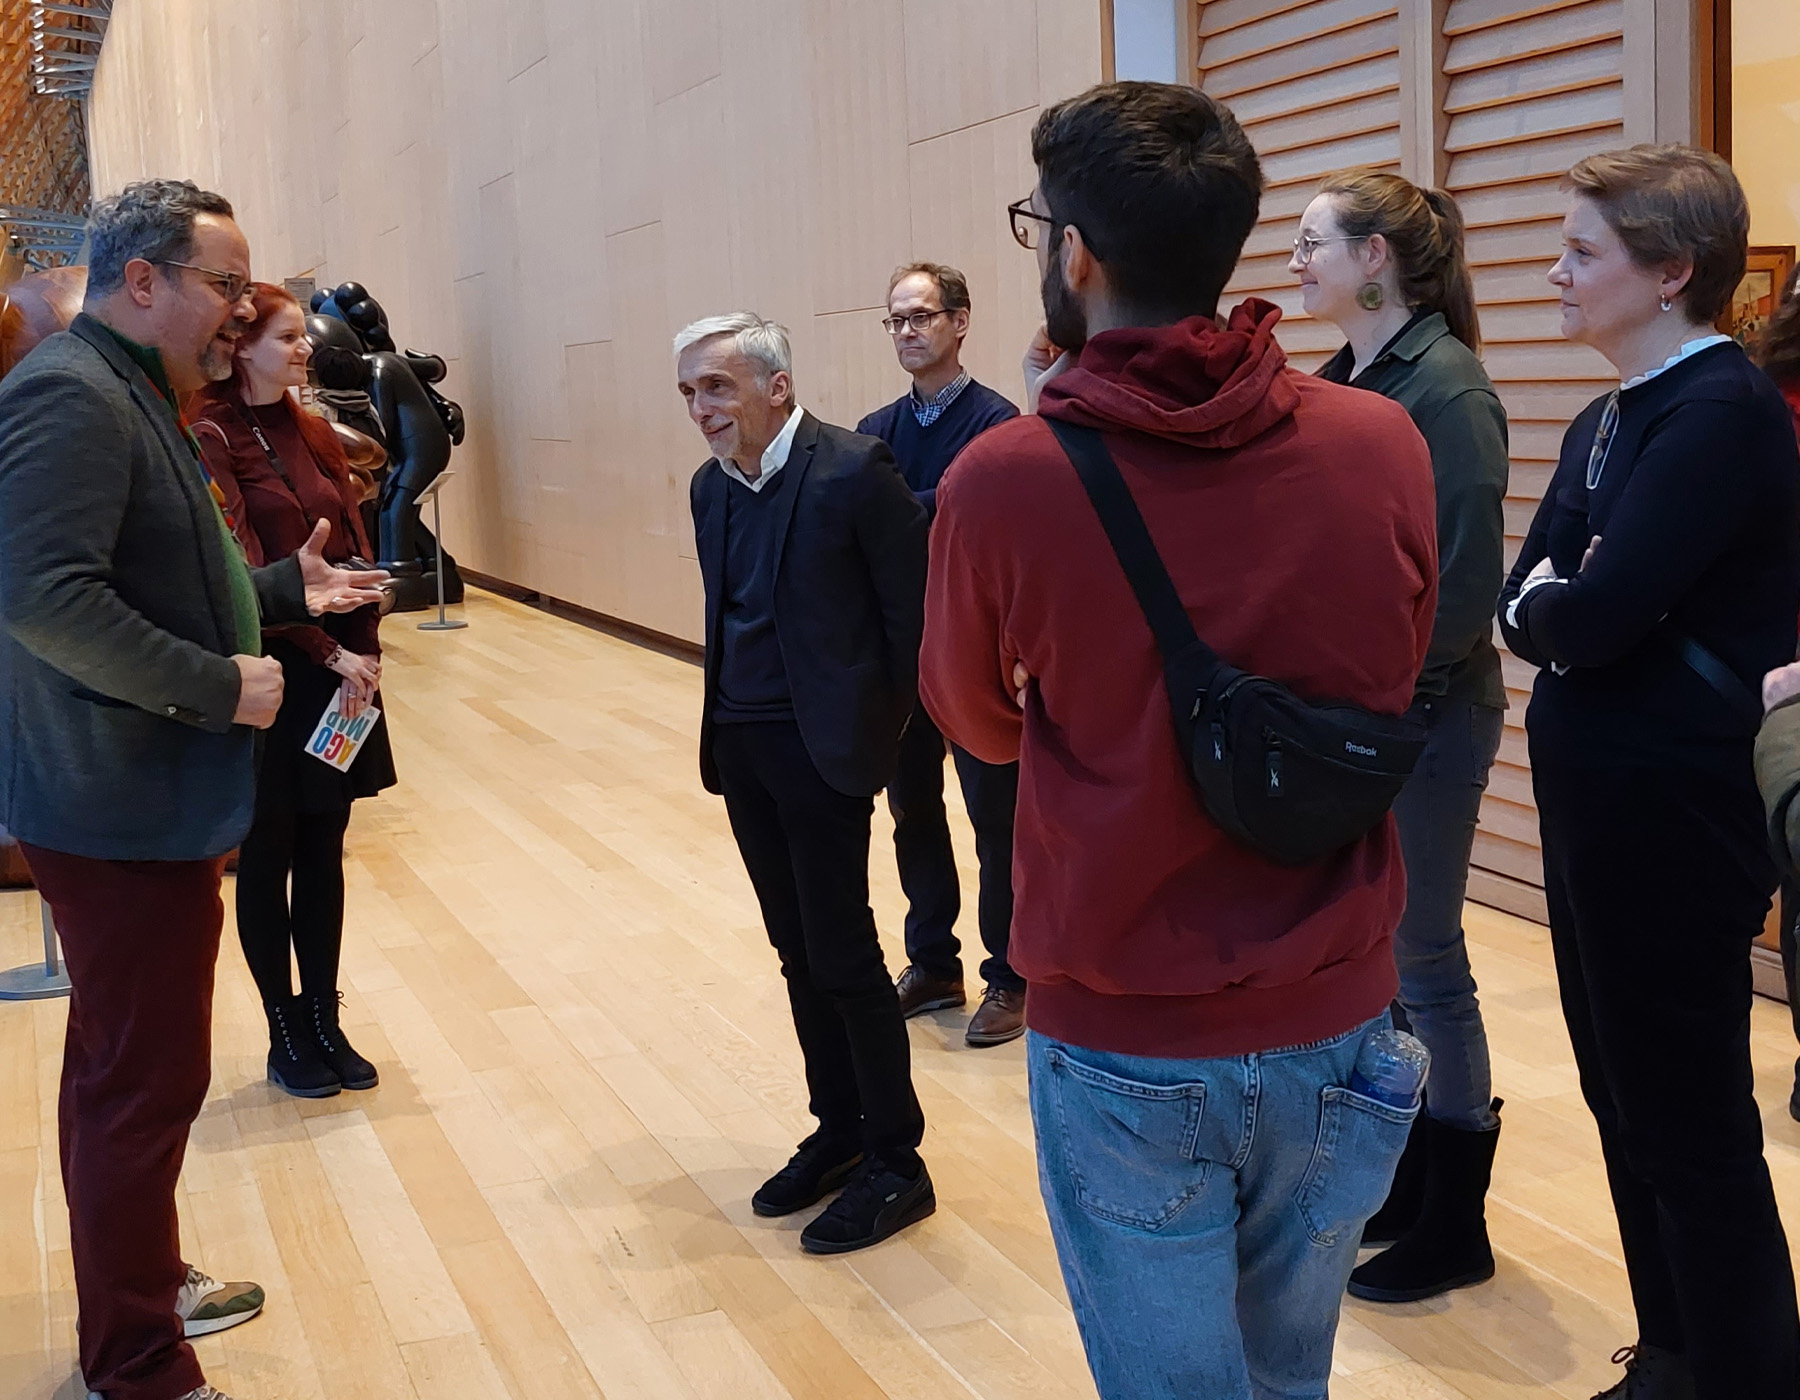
(1658, 584)
(1383, 261)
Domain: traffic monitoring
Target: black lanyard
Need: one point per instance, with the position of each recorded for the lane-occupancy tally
(249, 421)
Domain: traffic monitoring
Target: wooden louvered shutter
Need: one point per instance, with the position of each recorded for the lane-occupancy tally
(1494, 100)
(1532, 88)
(1317, 88)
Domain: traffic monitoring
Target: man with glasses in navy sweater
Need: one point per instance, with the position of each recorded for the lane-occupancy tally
(943, 411)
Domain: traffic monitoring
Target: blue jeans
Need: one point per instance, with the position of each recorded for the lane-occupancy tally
(1436, 813)
(1207, 1212)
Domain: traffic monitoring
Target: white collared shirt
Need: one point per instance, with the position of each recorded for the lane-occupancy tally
(1692, 347)
(774, 456)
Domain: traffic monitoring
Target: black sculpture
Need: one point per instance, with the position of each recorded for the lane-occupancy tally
(416, 424)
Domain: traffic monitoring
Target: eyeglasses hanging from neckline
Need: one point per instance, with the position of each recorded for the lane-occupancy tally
(1603, 436)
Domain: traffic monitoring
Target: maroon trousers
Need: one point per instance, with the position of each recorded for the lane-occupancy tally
(140, 939)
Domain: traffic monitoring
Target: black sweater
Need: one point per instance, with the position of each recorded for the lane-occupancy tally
(1698, 510)
(925, 454)
(753, 680)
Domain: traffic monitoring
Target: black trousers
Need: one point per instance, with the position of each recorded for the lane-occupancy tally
(928, 864)
(1658, 879)
(806, 848)
(309, 847)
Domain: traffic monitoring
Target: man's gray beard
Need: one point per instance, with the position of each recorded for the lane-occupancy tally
(215, 363)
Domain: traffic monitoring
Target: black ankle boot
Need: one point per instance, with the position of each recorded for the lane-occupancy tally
(1406, 1197)
(1447, 1246)
(295, 1063)
(334, 1046)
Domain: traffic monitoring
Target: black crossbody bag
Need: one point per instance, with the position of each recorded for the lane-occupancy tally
(1292, 780)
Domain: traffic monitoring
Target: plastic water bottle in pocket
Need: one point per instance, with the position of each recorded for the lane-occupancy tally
(1391, 1068)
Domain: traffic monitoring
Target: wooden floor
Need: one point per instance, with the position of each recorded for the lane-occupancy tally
(587, 1066)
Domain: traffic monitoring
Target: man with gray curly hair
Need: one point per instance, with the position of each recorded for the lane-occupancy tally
(132, 682)
(812, 549)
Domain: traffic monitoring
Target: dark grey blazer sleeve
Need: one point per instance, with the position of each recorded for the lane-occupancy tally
(280, 595)
(65, 480)
(892, 529)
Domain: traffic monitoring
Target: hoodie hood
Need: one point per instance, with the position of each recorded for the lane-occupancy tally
(1194, 383)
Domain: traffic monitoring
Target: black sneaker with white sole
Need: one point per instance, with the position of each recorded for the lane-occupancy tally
(878, 1202)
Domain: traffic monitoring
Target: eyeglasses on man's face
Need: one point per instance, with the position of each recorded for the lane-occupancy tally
(1025, 221)
(229, 285)
(919, 321)
(1306, 245)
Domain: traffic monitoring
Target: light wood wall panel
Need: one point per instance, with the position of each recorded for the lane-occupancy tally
(544, 191)
(1493, 99)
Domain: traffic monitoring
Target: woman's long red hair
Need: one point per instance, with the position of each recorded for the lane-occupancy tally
(226, 397)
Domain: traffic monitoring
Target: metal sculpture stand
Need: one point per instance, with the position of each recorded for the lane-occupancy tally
(435, 493)
(37, 980)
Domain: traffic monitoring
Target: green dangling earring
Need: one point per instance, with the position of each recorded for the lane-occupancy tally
(1369, 296)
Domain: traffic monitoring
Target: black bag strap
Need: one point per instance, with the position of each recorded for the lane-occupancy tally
(1130, 537)
(1711, 669)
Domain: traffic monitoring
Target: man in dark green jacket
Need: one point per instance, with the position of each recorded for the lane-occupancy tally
(1778, 775)
(131, 683)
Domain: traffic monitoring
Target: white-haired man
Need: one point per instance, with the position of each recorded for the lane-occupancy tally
(812, 549)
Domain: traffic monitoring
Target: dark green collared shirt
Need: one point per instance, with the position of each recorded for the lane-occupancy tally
(244, 610)
(1441, 384)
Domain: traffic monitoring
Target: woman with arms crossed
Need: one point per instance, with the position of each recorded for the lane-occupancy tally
(1660, 580)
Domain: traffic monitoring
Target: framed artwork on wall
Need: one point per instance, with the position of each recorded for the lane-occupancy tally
(1758, 293)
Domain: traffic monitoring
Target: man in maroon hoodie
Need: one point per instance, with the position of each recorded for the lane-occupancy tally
(1195, 1012)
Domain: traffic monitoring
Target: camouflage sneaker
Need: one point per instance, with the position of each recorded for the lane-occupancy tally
(206, 1306)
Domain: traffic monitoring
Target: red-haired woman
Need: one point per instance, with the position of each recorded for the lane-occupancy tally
(282, 471)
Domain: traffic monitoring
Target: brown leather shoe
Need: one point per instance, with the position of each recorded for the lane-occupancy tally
(999, 1018)
(920, 991)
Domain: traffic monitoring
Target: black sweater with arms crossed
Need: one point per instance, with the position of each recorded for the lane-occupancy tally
(1698, 510)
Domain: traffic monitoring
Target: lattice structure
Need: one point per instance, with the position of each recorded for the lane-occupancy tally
(42, 238)
(65, 44)
(43, 139)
